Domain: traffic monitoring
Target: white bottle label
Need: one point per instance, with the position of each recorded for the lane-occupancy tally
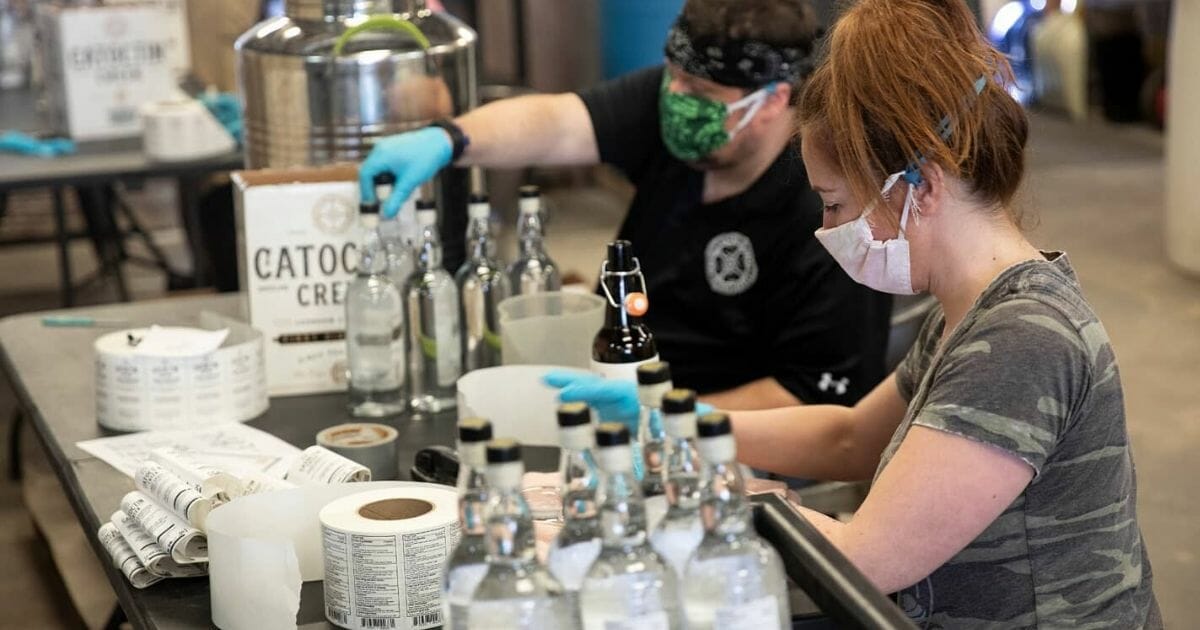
(756, 614)
(463, 581)
(653, 621)
(185, 543)
(449, 346)
(570, 564)
(319, 465)
(620, 371)
(124, 558)
(172, 492)
(384, 580)
(677, 545)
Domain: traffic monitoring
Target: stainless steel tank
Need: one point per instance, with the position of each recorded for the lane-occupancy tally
(305, 106)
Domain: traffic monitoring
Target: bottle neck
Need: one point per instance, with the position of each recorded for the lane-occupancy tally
(509, 538)
(429, 254)
(684, 471)
(480, 246)
(472, 500)
(532, 234)
(580, 480)
(372, 257)
(622, 509)
(724, 509)
(619, 287)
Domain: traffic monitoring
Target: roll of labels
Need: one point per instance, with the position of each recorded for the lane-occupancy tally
(370, 444)
(142, 389)
(380, 547)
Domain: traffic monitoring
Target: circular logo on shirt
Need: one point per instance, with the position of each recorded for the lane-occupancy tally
(729, 263)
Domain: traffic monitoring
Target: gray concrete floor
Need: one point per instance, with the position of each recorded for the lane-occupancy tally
(1094, 190)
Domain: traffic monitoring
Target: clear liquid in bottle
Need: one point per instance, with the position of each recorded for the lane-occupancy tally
(482, 285)
(435, 354)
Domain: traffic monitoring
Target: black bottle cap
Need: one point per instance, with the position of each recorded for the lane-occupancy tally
(574, 414)
(474, 430)
(477, 198)
(714, 424)
(503, 451)
(368, 208)
(426, 204)
(612, 434)
(654, 373)
(530, 191)
(620, 256)
(679, 401)
(384, 179)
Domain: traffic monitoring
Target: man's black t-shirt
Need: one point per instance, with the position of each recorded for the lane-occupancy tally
(739, 289)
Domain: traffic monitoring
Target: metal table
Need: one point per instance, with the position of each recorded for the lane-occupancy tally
(105, 163)
(51, 372)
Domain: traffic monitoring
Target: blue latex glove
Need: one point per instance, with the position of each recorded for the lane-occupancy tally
(413, 158)
(613, 400)
(25, 144)
(227, 109)
(703, 408)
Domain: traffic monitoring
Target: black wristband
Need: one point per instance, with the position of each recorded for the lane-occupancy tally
(458, 139)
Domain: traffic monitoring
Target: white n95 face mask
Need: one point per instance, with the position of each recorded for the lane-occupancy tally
(882, 265)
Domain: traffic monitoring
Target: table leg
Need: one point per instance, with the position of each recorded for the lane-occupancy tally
(66, 288)
(189, 209)
(14, 445)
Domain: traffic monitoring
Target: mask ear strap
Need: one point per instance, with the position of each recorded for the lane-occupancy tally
(754, 101)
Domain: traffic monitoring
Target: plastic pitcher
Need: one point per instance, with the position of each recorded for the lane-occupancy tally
(554, 328)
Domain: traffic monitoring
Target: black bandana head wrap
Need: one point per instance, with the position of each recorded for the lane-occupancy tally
(744, 63)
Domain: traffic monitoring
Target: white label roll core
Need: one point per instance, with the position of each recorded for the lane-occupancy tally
(385, 552)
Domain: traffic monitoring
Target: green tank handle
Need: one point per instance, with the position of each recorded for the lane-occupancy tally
(381, 23)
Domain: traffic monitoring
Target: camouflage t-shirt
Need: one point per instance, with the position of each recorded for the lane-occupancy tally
(1030, 371)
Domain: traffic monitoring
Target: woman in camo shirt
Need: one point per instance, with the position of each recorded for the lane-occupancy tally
(1004, 491)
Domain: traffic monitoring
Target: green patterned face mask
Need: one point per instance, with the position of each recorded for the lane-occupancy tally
(693, 126)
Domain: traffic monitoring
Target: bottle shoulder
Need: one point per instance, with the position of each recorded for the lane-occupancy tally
(624, 344)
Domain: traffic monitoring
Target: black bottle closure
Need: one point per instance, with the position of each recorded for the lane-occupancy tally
(624, 338)
(382, 179)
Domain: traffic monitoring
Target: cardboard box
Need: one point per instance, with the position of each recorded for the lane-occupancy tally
(298, 235)
(102, 63)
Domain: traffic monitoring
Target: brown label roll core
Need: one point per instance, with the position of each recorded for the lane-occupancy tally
(395, 509)
(357, 435)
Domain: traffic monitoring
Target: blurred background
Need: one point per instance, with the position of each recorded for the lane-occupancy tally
(1094, 74)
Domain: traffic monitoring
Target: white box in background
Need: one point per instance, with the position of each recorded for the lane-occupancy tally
(298, 236)
(102, 63)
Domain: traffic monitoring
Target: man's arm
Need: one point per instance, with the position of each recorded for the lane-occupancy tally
(765, 393)
(530, 130)
(535, 130)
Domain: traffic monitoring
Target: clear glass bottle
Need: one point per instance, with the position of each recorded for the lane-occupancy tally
(533, 271)
(578, 543)
(435, 356)
(735, 580)
(468, 561)
(482, 285)
(516, 592)
(401, 263)
(680, 530)
(630, 586)
(654, 381)
(374, 328)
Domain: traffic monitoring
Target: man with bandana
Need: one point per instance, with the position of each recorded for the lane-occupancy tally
(746, 305)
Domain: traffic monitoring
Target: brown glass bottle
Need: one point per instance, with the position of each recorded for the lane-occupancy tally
(624, 342)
